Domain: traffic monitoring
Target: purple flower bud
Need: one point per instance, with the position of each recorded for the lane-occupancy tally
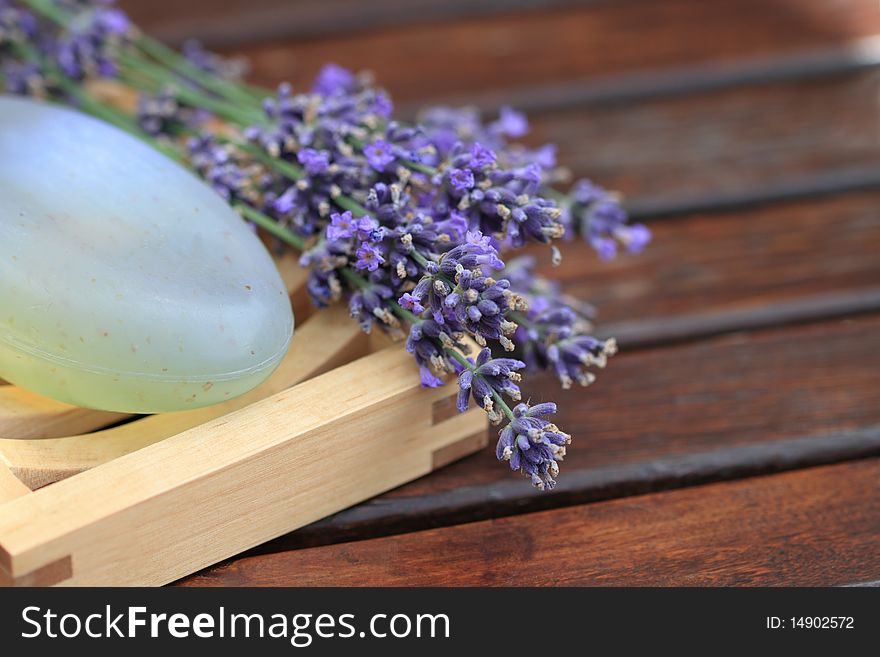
(428, 378)
(461, 180)
(511, 123)
(369, 257)
(333, 79)
(411, 303)
(112, 21)
(342, 226)
(379, 155)
(481, 157)
(315, 162)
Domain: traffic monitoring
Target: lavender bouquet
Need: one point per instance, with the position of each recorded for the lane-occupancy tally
(411, 224)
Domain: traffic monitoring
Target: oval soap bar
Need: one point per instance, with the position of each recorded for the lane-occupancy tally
(126, 283)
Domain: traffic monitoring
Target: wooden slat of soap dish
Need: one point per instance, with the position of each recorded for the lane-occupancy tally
(10, 486)
(180, 504)
(24, 414)
(327, 340)
(27, 415)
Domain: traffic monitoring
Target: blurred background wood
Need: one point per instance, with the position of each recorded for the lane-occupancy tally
(747, 133)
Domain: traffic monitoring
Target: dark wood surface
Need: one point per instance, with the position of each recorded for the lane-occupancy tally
(736, 438)
(812, 527)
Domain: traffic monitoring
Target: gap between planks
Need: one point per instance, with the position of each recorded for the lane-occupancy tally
(403, 515)
(613, 90)
(815, 527)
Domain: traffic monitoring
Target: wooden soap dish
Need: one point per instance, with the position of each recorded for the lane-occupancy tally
(156, 498)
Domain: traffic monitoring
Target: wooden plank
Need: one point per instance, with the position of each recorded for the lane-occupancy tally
(622, 89)
(665, 418)
(815, 527)
(10, 486)
(671, 150)
(328, 340)
(524, 49)
(173, 507)
(240, 21)
(24, 414)
(734, 261)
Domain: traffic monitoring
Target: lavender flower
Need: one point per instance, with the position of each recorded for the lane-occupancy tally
(88, 46)
(427, 341)
(23, 79)
(462, 180)
(490, 379)
(379, 155)
(533, 445)
(162, 115)
(411, 303)
(333, 79)
(315, 162)
(555, 331)
(369, 257)
(16, 24)
(599, 217)
(510, 123)
(220, 167)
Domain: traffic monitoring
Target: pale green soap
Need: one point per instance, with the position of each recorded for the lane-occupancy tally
(126, 283)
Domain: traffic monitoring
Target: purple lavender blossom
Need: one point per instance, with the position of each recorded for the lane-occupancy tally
(490, 377)
(481, 156)
(462, 180)
(333, 79)
(426, 341)
(379, 155)
(23, 78)
(342, 226)
(511, 124)
(16, 24)
(599, 217)
(162, 115)
(411, 303)
(554, 333)
(369, 257)
(87, 47)
(533, 445)
(371, 303)
(315, 162)
(219, 167)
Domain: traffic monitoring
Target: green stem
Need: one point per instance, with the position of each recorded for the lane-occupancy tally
(271, 226)
(169, 57)
(49, 10)
(423, 168)
(151, 78)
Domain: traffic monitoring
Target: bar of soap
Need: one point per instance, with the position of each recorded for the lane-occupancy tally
(126, 283)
